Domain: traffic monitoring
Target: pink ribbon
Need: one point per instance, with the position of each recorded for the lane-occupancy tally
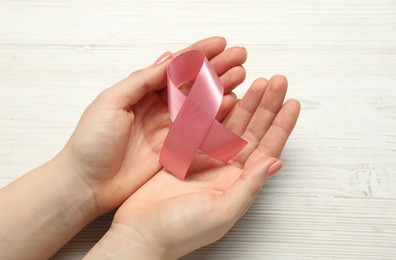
(193, 116)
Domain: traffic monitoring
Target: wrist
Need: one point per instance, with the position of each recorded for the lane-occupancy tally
(76, 189)
(42, 210)
(124, 242)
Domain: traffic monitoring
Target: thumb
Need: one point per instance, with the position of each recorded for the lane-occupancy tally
(241, 194)
(133, 88)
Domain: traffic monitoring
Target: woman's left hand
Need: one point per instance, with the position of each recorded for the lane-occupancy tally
(115, 147)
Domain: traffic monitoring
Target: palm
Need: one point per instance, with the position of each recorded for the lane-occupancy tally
(149, 128)
(177, 205)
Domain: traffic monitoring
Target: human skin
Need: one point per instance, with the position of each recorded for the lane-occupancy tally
(168, 217)
(113, 152)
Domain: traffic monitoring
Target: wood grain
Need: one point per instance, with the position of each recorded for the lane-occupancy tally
(335, 197)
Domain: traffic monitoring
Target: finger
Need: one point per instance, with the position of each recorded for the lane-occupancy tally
(238, 198)
(210, 46)
(232, 57)
(260, 122)
(224, 62)
(269, 106)
(227, 104)
(227, 64)
(233, 78)
(276, 137)
(240, 116)
(130, 90)
(230, 79)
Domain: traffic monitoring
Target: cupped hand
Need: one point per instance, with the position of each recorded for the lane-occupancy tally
(115, 147)
(173, 217)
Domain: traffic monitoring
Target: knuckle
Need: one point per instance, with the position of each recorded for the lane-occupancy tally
(135, 73)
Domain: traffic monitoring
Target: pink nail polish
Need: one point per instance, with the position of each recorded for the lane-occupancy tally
(163, 57)
(274, 168)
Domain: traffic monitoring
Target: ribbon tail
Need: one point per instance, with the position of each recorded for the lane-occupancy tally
(222, 144)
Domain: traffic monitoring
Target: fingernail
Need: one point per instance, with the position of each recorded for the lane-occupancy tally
(274, 168)
(163, 57)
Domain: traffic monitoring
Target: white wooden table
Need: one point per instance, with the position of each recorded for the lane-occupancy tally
(336, 195)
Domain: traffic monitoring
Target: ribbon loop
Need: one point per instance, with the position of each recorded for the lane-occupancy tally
(193, 116)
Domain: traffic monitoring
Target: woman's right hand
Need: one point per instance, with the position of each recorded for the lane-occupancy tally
(168, 217)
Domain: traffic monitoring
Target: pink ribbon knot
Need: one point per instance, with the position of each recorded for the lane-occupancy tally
(193, 116)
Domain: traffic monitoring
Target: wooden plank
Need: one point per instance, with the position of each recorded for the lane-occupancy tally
(335, 197)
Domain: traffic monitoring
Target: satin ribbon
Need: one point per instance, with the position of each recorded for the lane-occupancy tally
(193, 116)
